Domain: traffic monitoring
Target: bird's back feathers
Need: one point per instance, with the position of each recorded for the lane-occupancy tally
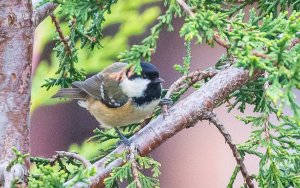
(103, 86)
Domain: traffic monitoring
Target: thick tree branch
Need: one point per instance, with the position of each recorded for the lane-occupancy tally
(16, 44)
(184, 114)
(240, 161)
(42, 12)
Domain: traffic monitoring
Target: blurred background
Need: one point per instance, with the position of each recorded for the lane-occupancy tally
(196, 157)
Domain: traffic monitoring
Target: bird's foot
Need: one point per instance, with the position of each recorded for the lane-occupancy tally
(165, 104)
(123, 140)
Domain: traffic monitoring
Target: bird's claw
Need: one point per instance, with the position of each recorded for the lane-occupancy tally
(165, 104)
(123, 140)
(126, 142)
(166, 101)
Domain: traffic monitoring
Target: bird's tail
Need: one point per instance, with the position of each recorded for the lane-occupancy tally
(71, 93)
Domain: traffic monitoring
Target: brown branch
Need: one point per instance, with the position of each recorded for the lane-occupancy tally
(134, 166)
(259, 54)
(60, 34)
(187, 81)
(186, 7)
(240, 161)
(184, 83)
(42, 12)
(75, 156)
(294, 42)
(184, 114)
(225, 44)
(217, 38)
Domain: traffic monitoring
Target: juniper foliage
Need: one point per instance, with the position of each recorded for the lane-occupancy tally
(267, 41)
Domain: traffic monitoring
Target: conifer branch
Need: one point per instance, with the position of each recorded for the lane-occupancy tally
(187, 81)
(220, 41)
(185, 113)
(134, 166)
(240, 161)
(62, 38)
(75, 156)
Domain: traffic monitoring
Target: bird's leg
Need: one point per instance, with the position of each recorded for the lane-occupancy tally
(123, 138)
(165, 103)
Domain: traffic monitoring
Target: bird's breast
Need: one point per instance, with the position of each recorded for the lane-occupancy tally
(121, 116)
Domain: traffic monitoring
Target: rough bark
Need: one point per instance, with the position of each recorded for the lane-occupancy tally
(16, 44)
(184, 114)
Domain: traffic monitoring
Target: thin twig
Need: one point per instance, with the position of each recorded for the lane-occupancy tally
(187, 81)
(42, 12)
(57, 158)
(134, 165)
(75, 156)
(73, 23)
(216, 36)
(240, 161)
(220, 41)
(60, 34)
(186, 7)
(259, 54)
(294, 42)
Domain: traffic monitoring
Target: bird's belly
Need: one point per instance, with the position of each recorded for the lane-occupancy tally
(121, 116)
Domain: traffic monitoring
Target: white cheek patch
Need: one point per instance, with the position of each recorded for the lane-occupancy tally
(135, 87)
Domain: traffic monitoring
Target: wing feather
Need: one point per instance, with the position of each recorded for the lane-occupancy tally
(105, 86)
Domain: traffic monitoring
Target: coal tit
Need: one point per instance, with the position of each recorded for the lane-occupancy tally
(117, 96)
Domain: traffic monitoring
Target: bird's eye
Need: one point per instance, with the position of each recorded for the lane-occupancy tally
(144, 76)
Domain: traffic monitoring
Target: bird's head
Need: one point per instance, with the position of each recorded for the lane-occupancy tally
(140, 85)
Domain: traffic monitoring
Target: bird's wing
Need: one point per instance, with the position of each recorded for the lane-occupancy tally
(105, 86)
(71, 93)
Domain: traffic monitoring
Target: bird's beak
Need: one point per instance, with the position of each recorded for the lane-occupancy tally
(158, 80)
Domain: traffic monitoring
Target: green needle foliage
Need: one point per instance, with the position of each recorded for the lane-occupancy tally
(125, 172)
(266, 42)
(185, 68)
(85, 24)
(19, 159)
(91, 61)
(148, 46)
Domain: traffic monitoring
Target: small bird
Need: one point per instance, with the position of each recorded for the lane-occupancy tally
(117, 96)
